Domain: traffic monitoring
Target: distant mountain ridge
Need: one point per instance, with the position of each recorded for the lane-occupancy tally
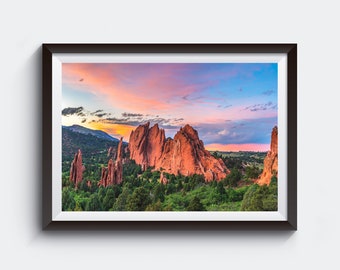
(87, 131)
(90, 142)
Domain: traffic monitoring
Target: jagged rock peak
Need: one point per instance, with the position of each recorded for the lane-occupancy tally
(77, 168)
(270, 163)
(189, 130)
(119, 150)
(185, 154)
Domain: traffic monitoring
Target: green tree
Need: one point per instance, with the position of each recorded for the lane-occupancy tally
(158, 192)
(232, 195)
(94, 203)
(78, 207)
(68, 202)
(252, 172)
(216, 154)
(65, 178)
(179, 185)
(233, 178)
(83, 185)
(147, 174)
(273, 181)
(168, 208)
(170, 188)
(260, 198)
(109, 199)
(120, 203)
(195, 181)
(222, 194)
(213, 183)
(155, 176)
(132, 169)
(139, 200)
(195, 205)
(154, 207)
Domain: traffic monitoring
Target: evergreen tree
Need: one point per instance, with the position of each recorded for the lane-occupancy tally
(233, 178)
(109, 199)
(195, 205)
(120, 203)
(222, 194)
(139, 200)
(94, 203)
(68, 202)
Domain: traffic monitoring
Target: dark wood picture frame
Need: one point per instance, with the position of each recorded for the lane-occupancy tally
(290, 50)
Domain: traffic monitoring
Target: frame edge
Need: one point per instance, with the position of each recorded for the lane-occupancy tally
(46, 136)
(47, 53)
(292, 136)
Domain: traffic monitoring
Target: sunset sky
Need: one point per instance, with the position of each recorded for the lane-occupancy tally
(232, 106)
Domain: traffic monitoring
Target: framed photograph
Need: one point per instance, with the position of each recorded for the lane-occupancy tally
(169, 136)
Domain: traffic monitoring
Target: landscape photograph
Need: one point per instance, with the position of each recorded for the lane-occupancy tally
(169, 137)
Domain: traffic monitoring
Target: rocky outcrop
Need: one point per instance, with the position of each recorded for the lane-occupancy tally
(89, 183)
(119, 163)
(138, 143)
(162, 179)
(270, 163)
(111, 152)
(185, 154)
(77, 169)
(113, 173)
(108, 174)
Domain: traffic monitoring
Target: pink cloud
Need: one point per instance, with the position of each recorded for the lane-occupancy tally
(124, 87)
(238, 147)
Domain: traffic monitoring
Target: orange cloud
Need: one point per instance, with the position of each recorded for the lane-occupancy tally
(238, 147)
(115, 130)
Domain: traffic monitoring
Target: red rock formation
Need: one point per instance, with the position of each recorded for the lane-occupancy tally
(156, 139)
(126, 154)
(111, 152)
(270, 163)
(119, 149)
(162, 179)
(185, 154)
(88, 183)
(108, 174)
(138, 144)
(77, 168)
(119, 164)
(113, 173)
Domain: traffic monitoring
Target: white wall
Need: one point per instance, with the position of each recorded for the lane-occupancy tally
(25, 25)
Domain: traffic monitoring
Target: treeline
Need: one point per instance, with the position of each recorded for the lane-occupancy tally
(91, 146)
(142, 191)
(241, 160)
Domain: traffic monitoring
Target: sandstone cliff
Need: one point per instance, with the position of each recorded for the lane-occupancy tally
(146, 145)
(185, 154)
(113, 173)
(270, 163)
(77, 168)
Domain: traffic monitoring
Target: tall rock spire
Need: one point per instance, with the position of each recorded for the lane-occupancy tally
(119, 164)
(77, 168)
(113, 173)
(270, 163)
